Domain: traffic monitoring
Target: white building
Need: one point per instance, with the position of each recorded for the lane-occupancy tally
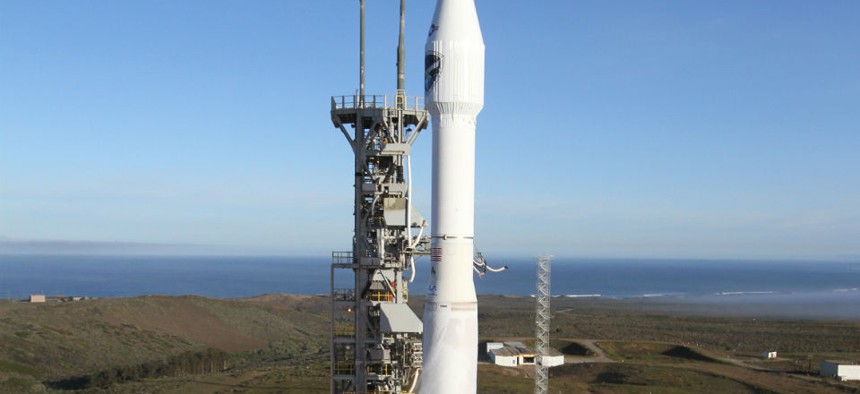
(37, 298)
(768, 355)
(514, 354)
(554, 359)
(842, 370)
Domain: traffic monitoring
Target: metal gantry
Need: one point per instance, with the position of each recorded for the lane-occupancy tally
(376, 338)
(542, 322)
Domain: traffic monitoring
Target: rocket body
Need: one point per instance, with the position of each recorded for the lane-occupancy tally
(454, 95)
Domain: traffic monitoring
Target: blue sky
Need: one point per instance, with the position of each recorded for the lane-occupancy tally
(725, 129)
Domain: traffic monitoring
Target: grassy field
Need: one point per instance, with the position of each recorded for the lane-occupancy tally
(46, 342)
(661, 347)
(277, 344)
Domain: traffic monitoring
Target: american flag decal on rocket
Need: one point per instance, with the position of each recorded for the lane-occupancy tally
(435, 254)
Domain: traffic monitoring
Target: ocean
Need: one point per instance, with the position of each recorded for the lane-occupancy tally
(830, 284)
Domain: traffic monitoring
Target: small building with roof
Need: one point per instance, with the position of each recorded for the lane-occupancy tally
(515, 354)
(841, 370)
(37, 298)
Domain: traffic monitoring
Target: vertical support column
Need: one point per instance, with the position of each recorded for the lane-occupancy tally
(359, 246)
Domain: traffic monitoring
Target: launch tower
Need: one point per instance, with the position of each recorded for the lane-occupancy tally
(375, 337)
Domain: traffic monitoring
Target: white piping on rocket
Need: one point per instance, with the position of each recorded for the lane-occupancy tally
(409, 196)
(479, 264)
(373, 205)
(420, 233)
(412, 246)
(409, 213)
(414, 381)
(487, 268)
(409, 223)
(412, 241)
(412, 266)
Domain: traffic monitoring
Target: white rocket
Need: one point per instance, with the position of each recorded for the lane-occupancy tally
(454, 94)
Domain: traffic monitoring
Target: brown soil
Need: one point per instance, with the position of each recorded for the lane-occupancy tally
(185, 319)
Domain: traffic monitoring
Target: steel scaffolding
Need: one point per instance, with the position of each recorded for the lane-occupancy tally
(375, 337)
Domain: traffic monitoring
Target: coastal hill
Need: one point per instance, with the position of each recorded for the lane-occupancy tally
(53, 341)
(278, 343)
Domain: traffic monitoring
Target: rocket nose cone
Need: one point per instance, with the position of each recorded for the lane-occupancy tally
(454, 59)
(455, 20)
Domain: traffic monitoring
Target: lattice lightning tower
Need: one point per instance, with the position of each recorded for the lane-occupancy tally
(542, 320)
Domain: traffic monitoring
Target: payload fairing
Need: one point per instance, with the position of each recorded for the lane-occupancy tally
(454, 95)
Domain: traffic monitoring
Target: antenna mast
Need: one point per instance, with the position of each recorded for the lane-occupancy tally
(361, 55)
(401, 58)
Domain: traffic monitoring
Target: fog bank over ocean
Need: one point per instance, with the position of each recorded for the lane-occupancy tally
(755, 288)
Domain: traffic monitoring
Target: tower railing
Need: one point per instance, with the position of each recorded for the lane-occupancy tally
(341, 257)
(375, 101)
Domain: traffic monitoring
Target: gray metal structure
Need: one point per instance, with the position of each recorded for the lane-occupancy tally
(375, 336)
(542, 321)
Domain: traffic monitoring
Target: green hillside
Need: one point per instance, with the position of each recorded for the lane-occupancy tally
(47, 342)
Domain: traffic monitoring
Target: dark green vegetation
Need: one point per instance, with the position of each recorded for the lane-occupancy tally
(185, 364)
(278, 344)
(571, 348)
